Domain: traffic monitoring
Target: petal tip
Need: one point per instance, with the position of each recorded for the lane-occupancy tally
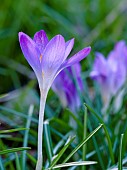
(41, 32)
(59, 36)
(89, 48)
(21, 35)
(73, 40)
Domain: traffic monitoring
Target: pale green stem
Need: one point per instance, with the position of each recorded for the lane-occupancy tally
(40, 129)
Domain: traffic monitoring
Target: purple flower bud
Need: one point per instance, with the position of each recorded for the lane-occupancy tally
(111, 72)
(66, 88)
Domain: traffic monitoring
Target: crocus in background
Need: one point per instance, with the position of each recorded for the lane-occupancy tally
(47, 58)
(111, 73)
(66, 86)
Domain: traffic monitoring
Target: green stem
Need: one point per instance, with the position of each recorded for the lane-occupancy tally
(84, 136)
(106, 133)
(40, 129)
(26, 136)
(120, 153)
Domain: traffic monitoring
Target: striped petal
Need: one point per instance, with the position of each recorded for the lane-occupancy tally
(69, 46)
(53, 55)
(30, 51)
(41, 39)
(76, 58)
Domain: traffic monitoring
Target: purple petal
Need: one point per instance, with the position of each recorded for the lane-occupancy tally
(118, 54)
(101, 56)
(77, 72)
(30, 51)
(69, 46)
(76, 58)
(118, 77)
(72, 96)
(120, 45)
(53, 55)
(77, 69)
(58, 88)
(112, 60)
(65, 87)
(41, 39)
(100, 68)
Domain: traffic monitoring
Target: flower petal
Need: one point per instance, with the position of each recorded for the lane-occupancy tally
(76, 58)
(77, 71)
(118, 54)
(41, 39)
(119, 77)
(100, 68)
(69, 46)
(58, 88)
(119, 46)
(53, 55)
(30, 51)
(66, 89)
(113, 60)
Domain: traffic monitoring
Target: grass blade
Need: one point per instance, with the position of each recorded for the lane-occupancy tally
(1, 164)
(80, 163)
(106, 133)
(12, 130)
(20, 114)
(25, 142)
(31, 158)
(82, 143)
(67, 144)
(120, 153)
(14, 150)
(84, 137)
(97, 149)
(17, 162)
(48, 141)
(5, 136)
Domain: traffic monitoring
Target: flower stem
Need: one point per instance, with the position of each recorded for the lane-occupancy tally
(40, 129)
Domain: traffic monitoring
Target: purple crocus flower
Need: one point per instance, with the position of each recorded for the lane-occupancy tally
(65, 87)
(111, 73)
(47, 58)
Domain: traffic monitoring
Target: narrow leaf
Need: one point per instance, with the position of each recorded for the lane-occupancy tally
(17, 162)
(14, 150)
(97, 148)
(1, 164)
(12, 130)
(106, 133)
(48, 141)
(120, 153)
(84, 137)
(69, 141)
(82, 143)
(73, 164)
(26, 135)
(31, 158)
